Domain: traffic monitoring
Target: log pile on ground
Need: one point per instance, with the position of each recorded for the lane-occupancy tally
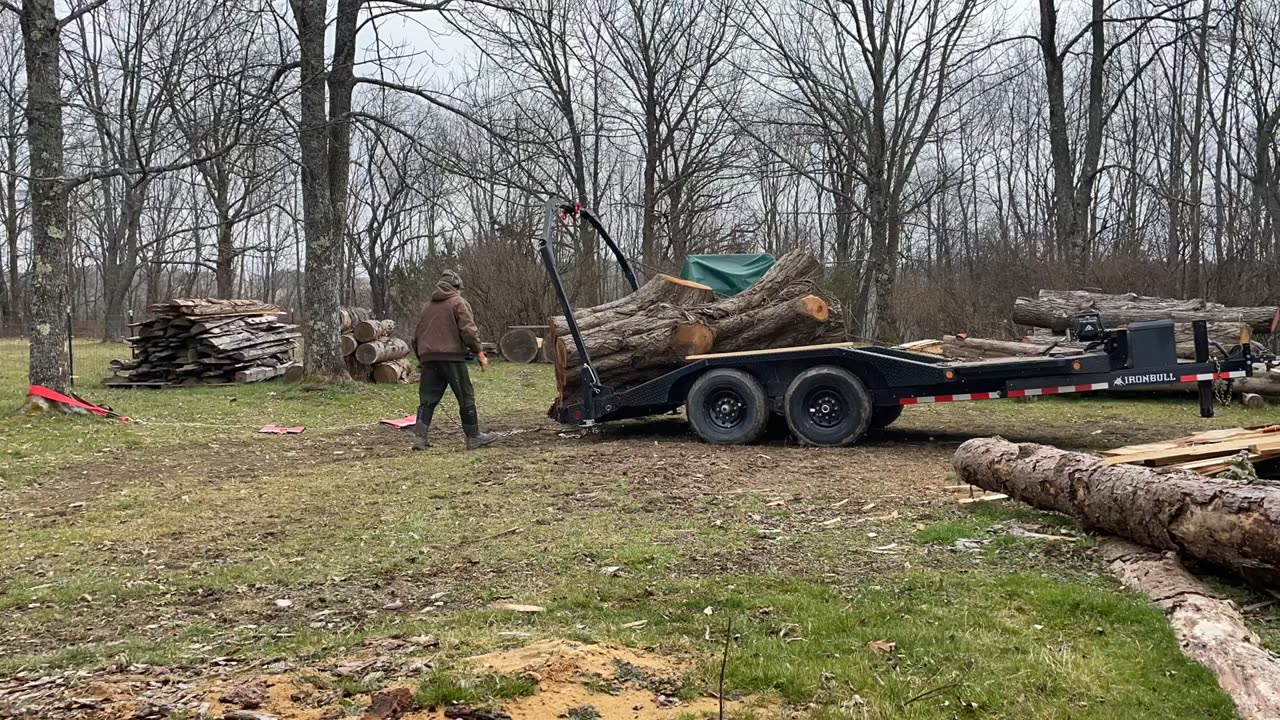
(195, 341)
(1230, 522)
(371, 350)
(654, 329)
(1054, 310)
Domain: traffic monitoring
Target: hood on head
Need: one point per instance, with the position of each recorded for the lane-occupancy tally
(443, 291)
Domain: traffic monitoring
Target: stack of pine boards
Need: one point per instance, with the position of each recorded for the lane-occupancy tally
(1207, 453)
(193, 341)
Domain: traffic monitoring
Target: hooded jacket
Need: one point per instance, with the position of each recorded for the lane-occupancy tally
(447, 329)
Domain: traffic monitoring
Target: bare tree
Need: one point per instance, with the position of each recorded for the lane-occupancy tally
(12, 190)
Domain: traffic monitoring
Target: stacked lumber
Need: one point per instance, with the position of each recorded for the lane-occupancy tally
(1207, 453)
(654, 329)
(1054, 310)
(195, 341)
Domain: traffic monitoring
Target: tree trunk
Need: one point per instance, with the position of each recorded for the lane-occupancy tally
(322, 346)
(380, 351)
(1054, 309)
(1209, 629)
(48, 195)
(1229, 523)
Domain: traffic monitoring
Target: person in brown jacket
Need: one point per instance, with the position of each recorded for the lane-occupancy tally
(446, 333)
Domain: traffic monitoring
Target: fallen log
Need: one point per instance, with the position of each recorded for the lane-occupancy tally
(1054, 309)
(391, 372)
(654, 329)
(378, 351)
(1226, 522)
(520, 345)
(1210, 629)
(370, 330)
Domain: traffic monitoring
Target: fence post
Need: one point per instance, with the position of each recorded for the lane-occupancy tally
(71, 353)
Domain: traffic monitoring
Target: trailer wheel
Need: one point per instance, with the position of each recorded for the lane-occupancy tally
(828, 407)
(727, 407)
(882, 416)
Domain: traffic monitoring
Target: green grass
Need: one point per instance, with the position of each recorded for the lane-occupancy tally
(169, 540)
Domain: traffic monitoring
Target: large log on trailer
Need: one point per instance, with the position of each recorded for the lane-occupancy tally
(1230, 523)
(370, 330)
(653, 330)
(1210, 629)
(378, 351)
(1054, 309)
(391, 372)
(520, 345)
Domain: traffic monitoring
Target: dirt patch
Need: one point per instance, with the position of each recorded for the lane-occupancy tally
(573, 680)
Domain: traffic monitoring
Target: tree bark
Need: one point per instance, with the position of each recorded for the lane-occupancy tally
(322, 348)
(1210, 629)
(1225, 522)
(380, 351)
(1054, 309)
(41, 34)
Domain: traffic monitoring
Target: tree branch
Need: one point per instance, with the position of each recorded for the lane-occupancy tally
(5, 5)
(80, 12)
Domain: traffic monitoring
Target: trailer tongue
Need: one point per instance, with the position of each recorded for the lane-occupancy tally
(831, 394)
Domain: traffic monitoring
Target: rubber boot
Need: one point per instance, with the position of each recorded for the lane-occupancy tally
(471, 428)
(421, 441)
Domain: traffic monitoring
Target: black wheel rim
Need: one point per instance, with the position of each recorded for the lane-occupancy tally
(826, 408)
(726, 408)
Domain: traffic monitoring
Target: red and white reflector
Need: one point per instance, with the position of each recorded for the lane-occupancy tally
(1059, 390)
(927, 399)
(1212, 376)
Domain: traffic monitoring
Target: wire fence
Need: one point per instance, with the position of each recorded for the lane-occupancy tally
(89, 348)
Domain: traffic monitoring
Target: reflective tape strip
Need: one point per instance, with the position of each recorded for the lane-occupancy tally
(927, 399)
(1212, 376)
(1059, 390)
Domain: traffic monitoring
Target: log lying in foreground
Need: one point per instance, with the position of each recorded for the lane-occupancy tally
(378, 351)
(654, 329)
(1209, 629)
(1054, 309)
(1226, 522)
(520, 345)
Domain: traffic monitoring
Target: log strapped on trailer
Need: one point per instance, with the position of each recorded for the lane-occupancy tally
(1055, 309)
(1230, 523)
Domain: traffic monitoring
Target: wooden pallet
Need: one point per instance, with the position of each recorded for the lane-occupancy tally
(1207, 453)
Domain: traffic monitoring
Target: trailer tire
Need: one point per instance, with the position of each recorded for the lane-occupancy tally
(727, 407)
(882, 416)
(828, 406)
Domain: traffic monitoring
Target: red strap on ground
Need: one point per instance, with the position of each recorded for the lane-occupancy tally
(47, 394)
(401, 423)
(277, 430)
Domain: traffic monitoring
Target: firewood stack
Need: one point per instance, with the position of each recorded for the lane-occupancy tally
(373, 352)
(195, 341)
(652, 330)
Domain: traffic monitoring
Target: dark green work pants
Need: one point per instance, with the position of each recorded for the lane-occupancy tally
(436, 376)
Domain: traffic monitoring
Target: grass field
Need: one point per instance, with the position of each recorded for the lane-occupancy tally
(183, 538)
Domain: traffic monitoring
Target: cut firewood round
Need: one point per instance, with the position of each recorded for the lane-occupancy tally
(349, 344)
(391, 372)
(378, 351)
(370, 330)
(520, 345)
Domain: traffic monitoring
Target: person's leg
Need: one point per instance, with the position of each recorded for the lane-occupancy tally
(430, 389)
(460, 383)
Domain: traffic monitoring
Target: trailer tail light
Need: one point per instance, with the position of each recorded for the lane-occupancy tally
(1075, 366)
(951, 375)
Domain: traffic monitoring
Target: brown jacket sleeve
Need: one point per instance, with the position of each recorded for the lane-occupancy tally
(467, 327)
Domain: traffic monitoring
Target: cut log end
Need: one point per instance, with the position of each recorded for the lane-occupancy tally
(684, 283)
(349, 344)
(520, 345)
(812, 306)
(692, 339)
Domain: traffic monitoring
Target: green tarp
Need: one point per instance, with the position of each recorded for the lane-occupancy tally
(726, 274)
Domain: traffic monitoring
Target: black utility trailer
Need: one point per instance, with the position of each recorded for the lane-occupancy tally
(831, 394)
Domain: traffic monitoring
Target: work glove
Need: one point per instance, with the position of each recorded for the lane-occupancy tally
(484, 362)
